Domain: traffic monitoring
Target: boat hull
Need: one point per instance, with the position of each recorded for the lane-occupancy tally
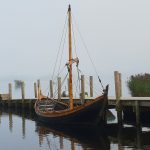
(92, 112)
(88, 114)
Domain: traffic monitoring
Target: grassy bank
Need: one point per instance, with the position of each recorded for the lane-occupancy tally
(139, 85)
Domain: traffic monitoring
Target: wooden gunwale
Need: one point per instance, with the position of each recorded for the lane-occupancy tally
(66, 112)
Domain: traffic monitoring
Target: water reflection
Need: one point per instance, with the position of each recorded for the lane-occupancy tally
(10, 122)
(77, 138)
(23, 125)
(129, 137)
(85, 137)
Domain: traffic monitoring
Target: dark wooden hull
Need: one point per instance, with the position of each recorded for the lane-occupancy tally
(87, 115)
(92, 112)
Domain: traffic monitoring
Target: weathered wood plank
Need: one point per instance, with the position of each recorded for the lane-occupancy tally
(4, 96)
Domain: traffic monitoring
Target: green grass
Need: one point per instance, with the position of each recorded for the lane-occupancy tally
(139, 85)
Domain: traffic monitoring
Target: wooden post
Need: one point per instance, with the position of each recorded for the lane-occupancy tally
(59, 88)
(117, 85)
(35, 90)
(16, 107)
(91, 86)
(51, 89)
(10, 91)
(39, 88)
(30, 105)
(118, 95)
(120, 85)
(23, 90)
(137, 111)
(82, 89)
(10, 95)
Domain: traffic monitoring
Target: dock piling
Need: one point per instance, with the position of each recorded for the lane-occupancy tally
(137, 111)
(35, 90)
(23, 90)
(10, 91)
(10, 95)
(118, 91)
(39, 88)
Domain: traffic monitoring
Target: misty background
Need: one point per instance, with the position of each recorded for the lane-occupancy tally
(117, 35)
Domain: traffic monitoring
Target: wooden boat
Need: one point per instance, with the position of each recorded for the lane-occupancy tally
(56, 112)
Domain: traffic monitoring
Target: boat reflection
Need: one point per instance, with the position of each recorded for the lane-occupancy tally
(83, 137)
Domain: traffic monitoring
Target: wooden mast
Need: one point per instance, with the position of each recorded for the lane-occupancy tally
(70, 59)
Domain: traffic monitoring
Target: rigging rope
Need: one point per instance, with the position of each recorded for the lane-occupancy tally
(78, 70)
(59, 48)
(62, 52)
(88, 53)
(74, 40)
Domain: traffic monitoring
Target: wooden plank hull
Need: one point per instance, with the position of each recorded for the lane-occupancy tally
(86, 114)
(91, 112)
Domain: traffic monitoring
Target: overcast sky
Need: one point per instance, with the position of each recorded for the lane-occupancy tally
(116, 32)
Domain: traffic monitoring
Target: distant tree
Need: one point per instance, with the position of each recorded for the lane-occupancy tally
(139, 85)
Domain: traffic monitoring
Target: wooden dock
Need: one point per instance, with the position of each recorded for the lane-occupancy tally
(125, 102)
(18, 104)
(126, 107)
(129, 107)
(134, 109)
(129, 101)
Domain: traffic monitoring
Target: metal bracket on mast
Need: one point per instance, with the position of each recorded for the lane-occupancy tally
(75, 60)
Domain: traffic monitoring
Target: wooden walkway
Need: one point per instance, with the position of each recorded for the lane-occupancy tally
(129, 101)
(18, 103)
(131, 107)
(125, 101)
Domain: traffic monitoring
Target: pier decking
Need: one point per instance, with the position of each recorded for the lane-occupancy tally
(125, 102)
(129, 107)
(129, 101)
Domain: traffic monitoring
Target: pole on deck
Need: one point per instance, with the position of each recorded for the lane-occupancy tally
(59, 88)
(51, 89)
(91, 86)
(82, 89)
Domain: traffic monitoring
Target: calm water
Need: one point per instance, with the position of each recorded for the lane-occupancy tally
(21, 130)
